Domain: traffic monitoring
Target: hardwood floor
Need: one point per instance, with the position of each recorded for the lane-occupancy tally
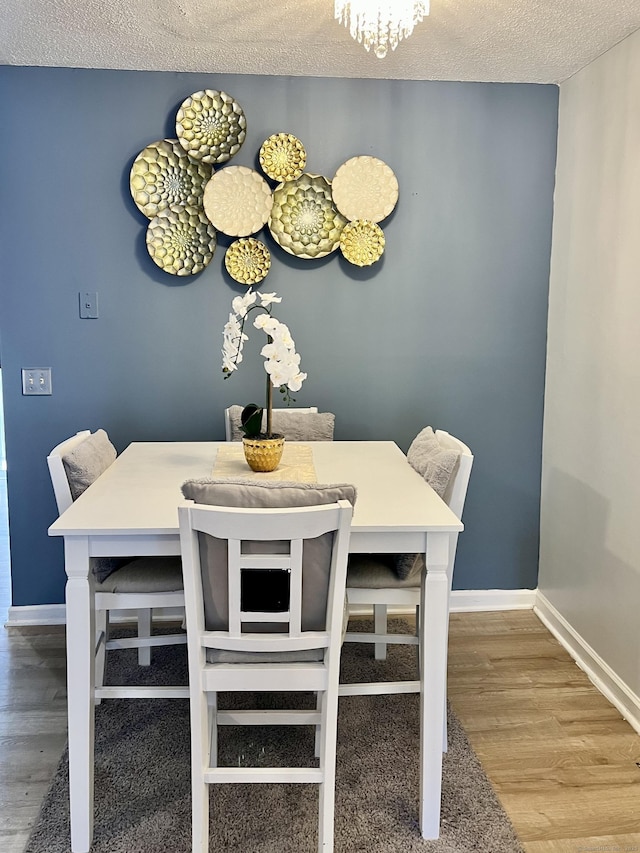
(562, 760)
(33, 724)
(564, 763)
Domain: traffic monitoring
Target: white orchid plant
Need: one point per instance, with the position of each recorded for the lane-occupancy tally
(282, 362)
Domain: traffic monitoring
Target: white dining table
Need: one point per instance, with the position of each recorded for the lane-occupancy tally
(131, 509)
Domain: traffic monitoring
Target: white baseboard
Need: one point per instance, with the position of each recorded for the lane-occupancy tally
(36, 614)
(599, 673)
(479, 600)
(470, 601)
(462, 601)
(54, 614)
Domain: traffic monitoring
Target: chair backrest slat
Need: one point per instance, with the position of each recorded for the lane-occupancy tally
(457, 491)
(233, 572)
(295, 589)
(266, 524)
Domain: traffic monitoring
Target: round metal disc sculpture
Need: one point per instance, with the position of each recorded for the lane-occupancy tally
(247, 260)
(163, 175)
(304, 220)
(365, 188)
(282, 157)
(362, 242)
(211, 126)
(238, 201)
(181, 240)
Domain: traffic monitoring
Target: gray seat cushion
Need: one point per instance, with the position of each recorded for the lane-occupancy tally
(377, 571)
(295, 426)
(145, 574)
(316, 556)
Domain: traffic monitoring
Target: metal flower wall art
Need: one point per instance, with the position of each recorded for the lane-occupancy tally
(189, 193)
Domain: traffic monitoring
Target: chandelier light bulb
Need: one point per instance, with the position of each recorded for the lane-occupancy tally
(380, 24)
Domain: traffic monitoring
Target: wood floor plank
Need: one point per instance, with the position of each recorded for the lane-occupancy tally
(547, 815)
(14, 840)
(625, 843)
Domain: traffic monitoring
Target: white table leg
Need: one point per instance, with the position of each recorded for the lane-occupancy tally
(80, 613)
(433, 652)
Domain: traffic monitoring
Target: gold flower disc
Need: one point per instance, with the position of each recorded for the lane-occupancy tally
(181, 240)
(163, 175)
(282, 157)
(362, 242)
(247, 260)
(211, 126)
(304, 220)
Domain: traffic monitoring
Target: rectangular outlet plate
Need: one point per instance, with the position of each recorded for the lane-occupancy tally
(88, 305)
(36, 381)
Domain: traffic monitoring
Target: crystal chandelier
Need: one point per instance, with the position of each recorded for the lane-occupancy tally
(380, 24)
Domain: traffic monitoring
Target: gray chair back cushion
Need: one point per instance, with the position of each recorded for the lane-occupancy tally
(295, 426)
(316, 553)
(83, 465)
(435, 463)
(87, 461)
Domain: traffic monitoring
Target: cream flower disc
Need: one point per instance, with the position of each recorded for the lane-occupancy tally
(365, 188)
(362, 242)
(282, 157)
(211, 126)
(181, 240)
(238, 201)
(247, 260)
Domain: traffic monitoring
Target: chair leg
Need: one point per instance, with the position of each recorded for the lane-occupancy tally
(380, 627)
(200, 749)
(445, 742)
(326, 806)
(102, 627)
(318, 745)
(212, 706)
(144, 631)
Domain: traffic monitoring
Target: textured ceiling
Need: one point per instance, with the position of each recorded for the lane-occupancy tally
(540, 41)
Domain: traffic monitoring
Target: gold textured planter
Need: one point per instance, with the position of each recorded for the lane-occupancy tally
(263, 454)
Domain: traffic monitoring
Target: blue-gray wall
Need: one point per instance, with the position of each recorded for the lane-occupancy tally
(448, 329)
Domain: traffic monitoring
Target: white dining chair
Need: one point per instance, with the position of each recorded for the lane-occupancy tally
(234, 646)
(296, 424)
(131, 584)
(373, 579)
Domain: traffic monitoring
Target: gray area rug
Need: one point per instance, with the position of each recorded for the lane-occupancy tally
(143, 786)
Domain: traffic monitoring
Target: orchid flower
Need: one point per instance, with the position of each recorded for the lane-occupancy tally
(282, 362)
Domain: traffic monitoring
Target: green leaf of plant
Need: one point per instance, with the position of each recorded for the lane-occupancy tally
(251, 420)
